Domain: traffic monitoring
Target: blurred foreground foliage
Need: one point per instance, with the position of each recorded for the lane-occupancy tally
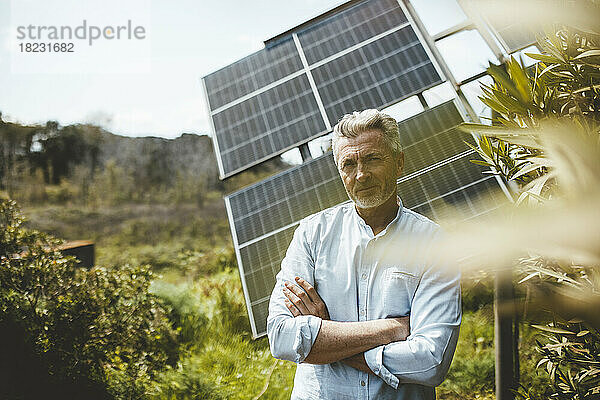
(545, 140)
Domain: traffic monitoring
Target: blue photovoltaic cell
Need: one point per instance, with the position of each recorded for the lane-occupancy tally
(270, 204)
(440, 181)
(432, 136)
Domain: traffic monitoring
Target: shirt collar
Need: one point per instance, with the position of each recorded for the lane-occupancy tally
(363, 225)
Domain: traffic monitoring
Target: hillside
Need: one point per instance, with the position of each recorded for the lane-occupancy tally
(56, 151)
(81, 157)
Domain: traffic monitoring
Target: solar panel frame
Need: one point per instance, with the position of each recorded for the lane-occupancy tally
(503, 27)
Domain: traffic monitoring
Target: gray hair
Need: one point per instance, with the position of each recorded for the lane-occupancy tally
(352, 125)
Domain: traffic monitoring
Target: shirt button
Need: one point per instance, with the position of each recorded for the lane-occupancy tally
(362, 383)
(362, 313)
(364, 276)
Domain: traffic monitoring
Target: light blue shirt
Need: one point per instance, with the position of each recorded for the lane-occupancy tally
(361, 277)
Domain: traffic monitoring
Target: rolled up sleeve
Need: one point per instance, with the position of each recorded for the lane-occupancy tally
(425, 356)
(291, 338)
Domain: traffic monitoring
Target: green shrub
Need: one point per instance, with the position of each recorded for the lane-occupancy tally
(476, 294)
(65, 332)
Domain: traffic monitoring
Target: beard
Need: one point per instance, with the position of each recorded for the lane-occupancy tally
(374, 197)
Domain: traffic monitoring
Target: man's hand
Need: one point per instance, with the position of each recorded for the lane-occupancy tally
(358, 362)
(304, 300)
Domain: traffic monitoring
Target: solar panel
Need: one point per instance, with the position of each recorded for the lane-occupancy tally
(439, 179)
(364, 55)
(376, 75)
(513, 37)
(266, 123)
(252, 73)
(432, 136)
(349, 27)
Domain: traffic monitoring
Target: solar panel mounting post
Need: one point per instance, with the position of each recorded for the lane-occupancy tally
(483, 28)
(423, 101)
(504, 309)
(305, 152)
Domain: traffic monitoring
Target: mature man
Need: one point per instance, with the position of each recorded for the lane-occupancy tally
(352, 276)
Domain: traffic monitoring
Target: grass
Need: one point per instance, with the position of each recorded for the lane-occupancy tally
(219, 351)
(192, 239)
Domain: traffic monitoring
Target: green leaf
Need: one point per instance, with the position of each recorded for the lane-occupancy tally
(541, 362)
(585, 89)
(521, 80)
(503, 79)
(483, 163)
(544, 57)
(554, 274)
(549, 68)
(509, 103)
(528, 277)
(589, 53)
(553, 329)
(526, 170)
(494, 105)
(518, 136)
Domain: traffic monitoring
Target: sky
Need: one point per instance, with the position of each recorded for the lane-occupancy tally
(151, 86)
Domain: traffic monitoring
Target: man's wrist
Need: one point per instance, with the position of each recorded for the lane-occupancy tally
(398, 329)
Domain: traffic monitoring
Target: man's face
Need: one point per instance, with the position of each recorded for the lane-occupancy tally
(368, 168)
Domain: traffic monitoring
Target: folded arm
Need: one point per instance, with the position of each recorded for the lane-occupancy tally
(424, 358)
(337, 341)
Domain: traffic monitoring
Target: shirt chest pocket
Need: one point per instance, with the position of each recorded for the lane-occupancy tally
(397, 291)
